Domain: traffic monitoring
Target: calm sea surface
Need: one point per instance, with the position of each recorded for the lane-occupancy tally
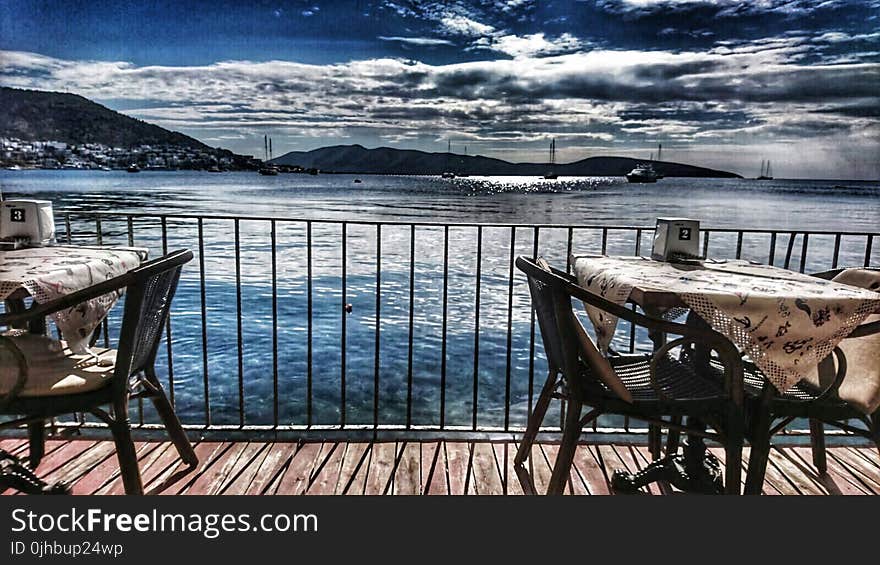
(499, 371)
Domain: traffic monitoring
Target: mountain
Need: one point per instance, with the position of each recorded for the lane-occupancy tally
(35, 115)
(387, 160)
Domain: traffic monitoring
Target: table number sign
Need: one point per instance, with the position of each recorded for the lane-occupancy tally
(29, 219)
(676, 238)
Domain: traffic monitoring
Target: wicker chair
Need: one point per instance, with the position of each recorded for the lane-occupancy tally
(656, 388)
(50, 382)
(827, 397)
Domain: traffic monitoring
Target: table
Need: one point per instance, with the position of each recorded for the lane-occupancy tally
(786, 322)
(47, 273)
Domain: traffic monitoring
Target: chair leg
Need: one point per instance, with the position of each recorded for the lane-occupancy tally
(570, 435)
(172, 424)
(875, 426)
(535, 420)
(673, 437)
(817, 442)
(655, 441)
(733, 448)
(760, 451)
(125, 452)
(36, 442)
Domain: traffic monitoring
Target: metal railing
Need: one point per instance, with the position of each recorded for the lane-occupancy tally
(312, 326)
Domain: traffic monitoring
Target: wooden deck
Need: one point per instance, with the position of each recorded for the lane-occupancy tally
(406, 468)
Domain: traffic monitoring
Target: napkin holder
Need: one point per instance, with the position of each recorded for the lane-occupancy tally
(676, 240)
(26, 221)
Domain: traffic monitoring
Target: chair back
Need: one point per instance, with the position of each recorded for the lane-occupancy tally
(542, 291)
(147, 304)
(566, 342)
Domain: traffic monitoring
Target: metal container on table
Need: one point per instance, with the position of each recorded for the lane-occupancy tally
(676, 239)
(30, 220)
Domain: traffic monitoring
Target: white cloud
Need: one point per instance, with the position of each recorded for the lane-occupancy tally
(531, 45)
(841, 37)
(462, 25)
(725, 7)
(420, 41)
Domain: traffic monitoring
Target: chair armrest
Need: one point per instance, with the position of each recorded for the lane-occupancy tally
(863, 330)
(831, 390)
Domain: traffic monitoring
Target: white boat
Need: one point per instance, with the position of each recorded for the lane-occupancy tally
(642, 173)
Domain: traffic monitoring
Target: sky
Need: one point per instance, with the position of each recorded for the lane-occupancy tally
(719, 83)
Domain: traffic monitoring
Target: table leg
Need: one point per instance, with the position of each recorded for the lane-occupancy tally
(695, 470)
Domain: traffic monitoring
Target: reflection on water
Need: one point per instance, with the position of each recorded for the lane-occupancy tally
(500, 371)
(777, 204)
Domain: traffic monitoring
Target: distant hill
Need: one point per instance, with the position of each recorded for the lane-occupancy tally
(35, 115)
(387, 160)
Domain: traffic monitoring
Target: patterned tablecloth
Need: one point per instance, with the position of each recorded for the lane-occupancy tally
(47, 273)
(786, 322)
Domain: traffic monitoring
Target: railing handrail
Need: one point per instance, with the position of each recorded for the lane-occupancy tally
(408, 223)
(514, 376)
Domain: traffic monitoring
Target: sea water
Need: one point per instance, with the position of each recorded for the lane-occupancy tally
(497, 372)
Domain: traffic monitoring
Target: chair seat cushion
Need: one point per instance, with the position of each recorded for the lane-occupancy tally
(52, 368)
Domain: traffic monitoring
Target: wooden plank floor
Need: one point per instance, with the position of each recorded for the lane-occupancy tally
(407, 468)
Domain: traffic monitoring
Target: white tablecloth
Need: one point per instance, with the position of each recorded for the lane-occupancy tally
(786, 322)
(47, 273)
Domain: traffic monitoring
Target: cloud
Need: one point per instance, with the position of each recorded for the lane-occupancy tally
(419, 41)
(536, 44)
(462, 25)
(842, 37)
(736, 93)
(723, 8)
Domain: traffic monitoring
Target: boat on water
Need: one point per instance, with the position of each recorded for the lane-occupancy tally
(551, 174)
(642, 173)
(766, 171)
(645, 172)
(659, 158)
(447, 174)
(268, 169)
(133, 168)
(14, 168)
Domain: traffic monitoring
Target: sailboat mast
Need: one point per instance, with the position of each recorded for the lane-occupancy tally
(659, 152)
(270, 148)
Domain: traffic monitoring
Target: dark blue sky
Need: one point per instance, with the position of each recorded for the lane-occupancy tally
(719, 82)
